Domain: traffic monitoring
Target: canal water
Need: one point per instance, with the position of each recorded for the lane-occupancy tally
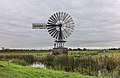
(38, 65)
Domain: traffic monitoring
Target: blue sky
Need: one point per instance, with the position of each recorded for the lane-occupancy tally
(97, 23)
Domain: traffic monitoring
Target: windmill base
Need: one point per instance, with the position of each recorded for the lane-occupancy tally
(59, 51)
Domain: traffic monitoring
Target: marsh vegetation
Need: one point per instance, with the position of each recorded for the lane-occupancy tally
(104, 63)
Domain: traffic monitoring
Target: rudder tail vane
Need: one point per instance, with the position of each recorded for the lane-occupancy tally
(39, 26)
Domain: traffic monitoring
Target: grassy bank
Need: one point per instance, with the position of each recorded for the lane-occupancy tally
(87, 62)
(17, 71)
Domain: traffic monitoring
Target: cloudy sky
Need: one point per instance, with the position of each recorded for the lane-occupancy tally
(97, 23)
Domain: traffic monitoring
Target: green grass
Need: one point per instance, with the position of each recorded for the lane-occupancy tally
(93, 53)
(96, 53)
(17, 71)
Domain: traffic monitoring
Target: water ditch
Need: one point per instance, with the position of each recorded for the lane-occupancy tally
(38, 65)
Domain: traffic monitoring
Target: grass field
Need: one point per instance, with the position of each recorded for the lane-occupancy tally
(93, 53)
(85, 62)
(17, 71)
(96, 53)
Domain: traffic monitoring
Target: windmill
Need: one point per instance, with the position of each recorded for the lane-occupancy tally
(60, 25)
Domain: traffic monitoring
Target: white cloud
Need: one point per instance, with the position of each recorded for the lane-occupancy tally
(96, 22)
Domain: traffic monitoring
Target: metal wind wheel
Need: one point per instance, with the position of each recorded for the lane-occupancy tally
(60, 25)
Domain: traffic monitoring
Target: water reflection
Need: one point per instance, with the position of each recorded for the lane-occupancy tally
(38, 65)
